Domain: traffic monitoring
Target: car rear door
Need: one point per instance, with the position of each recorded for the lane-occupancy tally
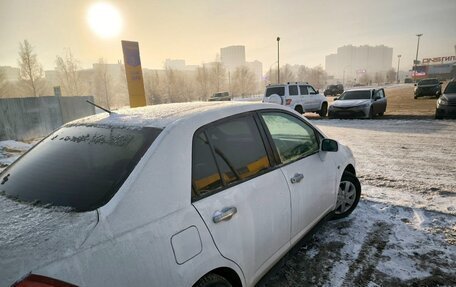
(305, 97)
(243, 200)
(310, 174)
(314, 99)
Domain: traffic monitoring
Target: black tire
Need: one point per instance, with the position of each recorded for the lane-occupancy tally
(299, 110)
(212, 280)
(438, 116)
(324, 110)
(381, 114)
(344, 210)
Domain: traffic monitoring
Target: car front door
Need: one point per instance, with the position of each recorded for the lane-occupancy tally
(310, 174)
(379, 102)
(244, 202)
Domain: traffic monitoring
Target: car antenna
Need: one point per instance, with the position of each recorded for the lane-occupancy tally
(93, 104)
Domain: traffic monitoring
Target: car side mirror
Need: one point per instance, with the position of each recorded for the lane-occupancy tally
(318, 91)
(329, 145)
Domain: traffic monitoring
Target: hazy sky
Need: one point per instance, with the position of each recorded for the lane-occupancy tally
(195, 30)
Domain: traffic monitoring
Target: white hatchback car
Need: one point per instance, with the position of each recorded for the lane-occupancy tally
(194, 194)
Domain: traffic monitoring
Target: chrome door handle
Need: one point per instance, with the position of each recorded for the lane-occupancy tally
(224, 214)
(297, 178)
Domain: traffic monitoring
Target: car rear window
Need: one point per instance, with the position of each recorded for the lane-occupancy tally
(275, 90)
(428, 82)
(355, 95)
(80, 167)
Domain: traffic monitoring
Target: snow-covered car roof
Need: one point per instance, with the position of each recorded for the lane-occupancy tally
(160, 116)
(363, 89)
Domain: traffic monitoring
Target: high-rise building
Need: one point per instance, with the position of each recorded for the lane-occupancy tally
(350, 62)
(232, 57)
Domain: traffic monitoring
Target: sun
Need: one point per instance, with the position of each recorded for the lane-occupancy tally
(104, 19)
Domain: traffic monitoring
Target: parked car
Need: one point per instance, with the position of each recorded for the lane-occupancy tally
(428, 87)
(334, 90)
(194, 194)
(446, 104)
(359, 103)
(300, 97)
(408, 81)
(221, 96)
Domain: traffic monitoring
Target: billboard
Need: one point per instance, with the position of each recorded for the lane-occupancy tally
(134, 74)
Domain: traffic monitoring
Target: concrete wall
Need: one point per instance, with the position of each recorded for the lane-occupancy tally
(30, 118)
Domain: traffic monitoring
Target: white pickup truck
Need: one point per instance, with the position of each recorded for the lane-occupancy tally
(300, 97)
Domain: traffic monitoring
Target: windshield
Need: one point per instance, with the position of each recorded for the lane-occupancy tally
(356, 95)
(78, 167)
(428, 82)
(275, 90)
(450, 88)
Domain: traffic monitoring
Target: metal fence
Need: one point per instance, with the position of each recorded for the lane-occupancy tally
(30, 118)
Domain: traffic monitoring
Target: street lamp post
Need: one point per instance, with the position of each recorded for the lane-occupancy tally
(398, 63)
(278, 61)
(416, 57)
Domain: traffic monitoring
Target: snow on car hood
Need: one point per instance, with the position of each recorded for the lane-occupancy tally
(350, 103)
(33, 236)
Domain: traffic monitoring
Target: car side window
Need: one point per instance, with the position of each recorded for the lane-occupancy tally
(311, 90)
(292, 138)
(239, 149)
(379, 94)
(205, 175)
(293, 90)
(303, 90)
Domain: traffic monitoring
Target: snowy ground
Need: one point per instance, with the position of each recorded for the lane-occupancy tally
(403, 232)
(10, 150)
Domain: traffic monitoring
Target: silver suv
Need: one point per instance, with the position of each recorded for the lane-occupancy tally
(300, 97)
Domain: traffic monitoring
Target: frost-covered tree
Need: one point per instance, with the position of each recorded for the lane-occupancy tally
(218, 75)
(379, 78)
(3, 85)
(286, 75)
(102, 83)
(243, 82)
(69, 75)
(203, 82)
(153, 88)
(31, 73)
(391, 75)
(317, 77)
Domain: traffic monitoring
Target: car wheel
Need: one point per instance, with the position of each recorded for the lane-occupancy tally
(213, 280)
(299, 110)
(324, 110)
(381, 114)
(438, 116)
(347, 196)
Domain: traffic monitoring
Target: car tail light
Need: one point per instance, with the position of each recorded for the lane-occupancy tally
(288, 102)
(34, 280)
